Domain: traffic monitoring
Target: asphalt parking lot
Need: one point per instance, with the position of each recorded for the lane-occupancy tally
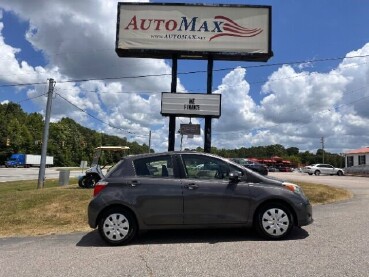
(336, 244)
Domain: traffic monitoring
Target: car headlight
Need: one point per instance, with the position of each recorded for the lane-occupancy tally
(294, 188)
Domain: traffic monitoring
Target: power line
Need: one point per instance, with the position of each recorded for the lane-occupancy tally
(98, 119)
(297, 75)
(215, 70)
(31, 98)
(24, 84)
(189, 72)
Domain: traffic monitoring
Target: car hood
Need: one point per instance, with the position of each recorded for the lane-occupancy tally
(272, 180)
(264, 178)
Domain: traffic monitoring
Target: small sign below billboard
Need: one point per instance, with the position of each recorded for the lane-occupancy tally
(194, 31)
(190, 104)
(190, 129)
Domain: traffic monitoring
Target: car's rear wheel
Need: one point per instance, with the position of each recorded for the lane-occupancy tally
(310, 173)
(274, 221)
(339, 173)
(317, 172)
(117, 226)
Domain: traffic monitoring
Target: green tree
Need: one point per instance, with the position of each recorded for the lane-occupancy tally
(292, 151)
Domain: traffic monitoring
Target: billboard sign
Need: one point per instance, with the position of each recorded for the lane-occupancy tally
(193, 31)
(191, 104)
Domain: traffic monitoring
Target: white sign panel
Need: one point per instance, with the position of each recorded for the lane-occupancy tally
(191, 104)
(235, 30)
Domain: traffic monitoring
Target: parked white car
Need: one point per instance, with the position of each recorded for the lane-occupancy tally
(318, 169)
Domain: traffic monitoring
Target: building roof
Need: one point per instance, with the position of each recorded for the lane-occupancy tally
(363, 150)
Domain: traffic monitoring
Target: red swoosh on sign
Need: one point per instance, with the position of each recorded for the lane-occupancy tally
(235, 30)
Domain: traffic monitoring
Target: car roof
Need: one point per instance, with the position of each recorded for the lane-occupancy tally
(112, 148)
(146, 155)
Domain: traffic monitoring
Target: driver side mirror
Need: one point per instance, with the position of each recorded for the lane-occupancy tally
(234, 176)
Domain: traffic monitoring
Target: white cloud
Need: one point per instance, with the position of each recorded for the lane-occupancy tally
(77, 39)
(239, 111)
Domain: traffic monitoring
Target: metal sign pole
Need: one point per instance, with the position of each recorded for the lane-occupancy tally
(172, 118)
(207, 138)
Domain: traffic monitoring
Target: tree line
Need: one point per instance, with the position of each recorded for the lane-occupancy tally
(70, 143)
(292, 154)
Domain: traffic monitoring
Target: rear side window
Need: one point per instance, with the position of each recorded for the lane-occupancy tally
(161, 166)
(117, 170)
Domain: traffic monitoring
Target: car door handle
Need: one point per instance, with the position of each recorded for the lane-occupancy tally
(191, 186)
(134, 183)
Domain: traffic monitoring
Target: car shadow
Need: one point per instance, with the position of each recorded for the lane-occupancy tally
(211, 236)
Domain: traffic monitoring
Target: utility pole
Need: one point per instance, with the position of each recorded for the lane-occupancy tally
(45, 136)
(322, 142)
(149, 141)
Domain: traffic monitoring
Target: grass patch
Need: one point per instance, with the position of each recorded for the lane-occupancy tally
(323, 194)
(25, 210)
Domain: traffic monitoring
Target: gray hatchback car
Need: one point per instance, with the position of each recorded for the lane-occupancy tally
(192, 190)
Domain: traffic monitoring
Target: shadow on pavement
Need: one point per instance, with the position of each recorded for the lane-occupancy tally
(210, 236)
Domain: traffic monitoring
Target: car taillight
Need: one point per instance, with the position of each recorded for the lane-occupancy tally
(99, 186)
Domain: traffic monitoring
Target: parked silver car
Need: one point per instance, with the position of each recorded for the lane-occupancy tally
(318, 169)
(192, 190)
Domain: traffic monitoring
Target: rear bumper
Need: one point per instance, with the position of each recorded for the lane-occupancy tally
(92, 214)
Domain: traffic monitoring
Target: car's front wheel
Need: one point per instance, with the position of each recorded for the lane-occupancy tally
(317, 172)
(117, 226)
(274, 221)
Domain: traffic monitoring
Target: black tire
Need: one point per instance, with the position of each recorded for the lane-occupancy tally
(273, 221)
(317, 172)
(81, 182)
(339, 173)
(88, 181)
(310, 173)
(117, 226)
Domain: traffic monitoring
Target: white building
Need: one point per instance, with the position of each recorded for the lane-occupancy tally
(357, 157)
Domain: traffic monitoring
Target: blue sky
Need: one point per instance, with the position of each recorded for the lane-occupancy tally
(294, 99)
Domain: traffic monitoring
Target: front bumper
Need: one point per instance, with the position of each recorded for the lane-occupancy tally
(305, 214)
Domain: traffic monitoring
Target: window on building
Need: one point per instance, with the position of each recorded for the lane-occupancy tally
(362, 159)
(350, 161)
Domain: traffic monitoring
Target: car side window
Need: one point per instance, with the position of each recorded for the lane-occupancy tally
(159, 167)
(204, 167)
